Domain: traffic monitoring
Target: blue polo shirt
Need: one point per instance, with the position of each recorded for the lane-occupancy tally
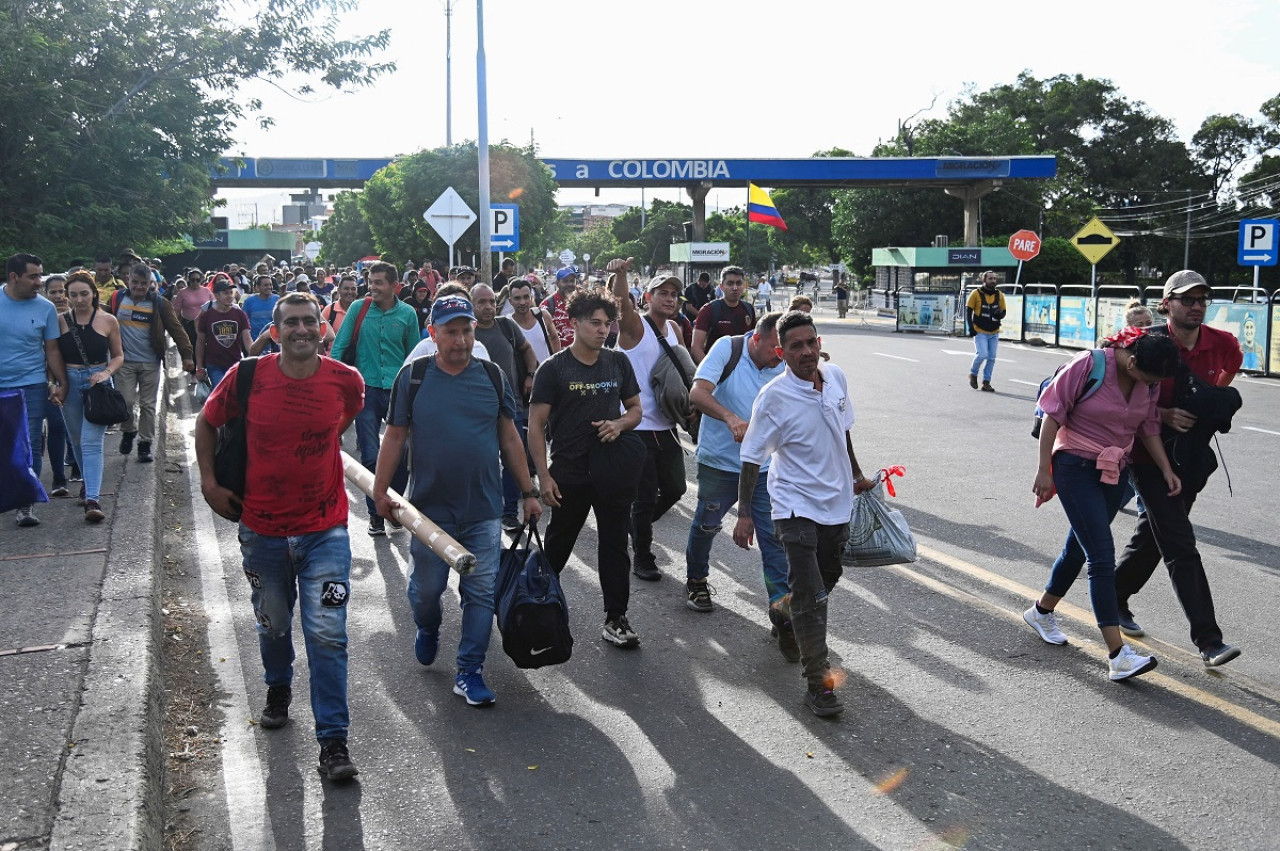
(456, 476)
(716, 446)
(25, 324)
(259, 309)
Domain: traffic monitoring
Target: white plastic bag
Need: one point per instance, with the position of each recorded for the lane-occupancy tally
(878, 534)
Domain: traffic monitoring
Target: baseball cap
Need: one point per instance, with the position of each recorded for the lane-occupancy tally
(1181, 282)
(302, 279)
(659, 280)
(221, 285)
(451, 307)
(457, 271)
(566, 271)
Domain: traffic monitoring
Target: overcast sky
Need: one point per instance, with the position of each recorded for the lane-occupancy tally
(719, 78)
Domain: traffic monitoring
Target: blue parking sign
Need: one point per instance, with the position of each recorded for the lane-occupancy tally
(1259, 242)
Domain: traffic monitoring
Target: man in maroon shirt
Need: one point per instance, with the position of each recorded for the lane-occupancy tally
(1164, 528)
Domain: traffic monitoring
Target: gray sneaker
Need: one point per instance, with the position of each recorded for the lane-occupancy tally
(25, 518)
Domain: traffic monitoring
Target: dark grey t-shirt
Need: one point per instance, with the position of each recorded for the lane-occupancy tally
(580, 395)
(502, 353)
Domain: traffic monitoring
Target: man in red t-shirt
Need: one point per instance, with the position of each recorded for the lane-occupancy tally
(293, 514)
(1164, 528)
(727, 316)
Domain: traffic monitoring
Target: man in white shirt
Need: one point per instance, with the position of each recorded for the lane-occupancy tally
(800, 422)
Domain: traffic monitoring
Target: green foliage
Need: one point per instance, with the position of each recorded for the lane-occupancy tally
(664, 224)
(345, 236)
(1112, 153)
(395, 198)
(114, 111)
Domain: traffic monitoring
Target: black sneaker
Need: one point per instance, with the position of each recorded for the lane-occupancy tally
(335, 762)
(276, 713)
(699, 592)
(377, 528)
(25, 518)
(510, 524)
(619, 633)
(646, 569)
(1218, 654)
(126, 441)
(823, 700)
(782, 630)
(144, 452)
(60, 490)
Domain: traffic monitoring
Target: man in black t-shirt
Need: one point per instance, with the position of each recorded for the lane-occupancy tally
(696, 295)
(587, 400)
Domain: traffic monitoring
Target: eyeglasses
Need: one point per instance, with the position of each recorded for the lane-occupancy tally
(1193, 300)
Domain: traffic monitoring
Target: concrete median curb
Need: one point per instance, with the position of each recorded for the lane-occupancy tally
(111, 794)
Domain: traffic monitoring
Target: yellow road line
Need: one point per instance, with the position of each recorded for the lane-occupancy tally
(1245, 716)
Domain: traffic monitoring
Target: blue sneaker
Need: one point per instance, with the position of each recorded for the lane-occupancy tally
(425, 646)
(470, 685)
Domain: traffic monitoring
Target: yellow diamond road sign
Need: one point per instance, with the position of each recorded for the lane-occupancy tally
(1094, 240)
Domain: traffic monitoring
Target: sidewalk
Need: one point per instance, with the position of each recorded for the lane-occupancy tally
(79, 631)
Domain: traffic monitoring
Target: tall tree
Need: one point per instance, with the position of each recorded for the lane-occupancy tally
(345, 236)
(395, 198)
(114, 112)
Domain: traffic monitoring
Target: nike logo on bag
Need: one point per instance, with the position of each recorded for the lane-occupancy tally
(543, 650)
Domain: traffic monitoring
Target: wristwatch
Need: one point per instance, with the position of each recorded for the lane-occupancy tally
(532, 493)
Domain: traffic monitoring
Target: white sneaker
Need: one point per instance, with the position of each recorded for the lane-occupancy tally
(1045, 625)
(1130, 663)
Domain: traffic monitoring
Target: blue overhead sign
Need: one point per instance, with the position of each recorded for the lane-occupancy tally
(504, 228)
(814, 171)
(1259, 242)
(830, 171)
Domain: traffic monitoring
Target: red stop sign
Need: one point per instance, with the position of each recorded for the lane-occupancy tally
(1024, 245)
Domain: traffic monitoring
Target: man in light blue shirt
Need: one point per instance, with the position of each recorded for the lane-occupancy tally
(260, 307)
(725, 399)
(29, 328)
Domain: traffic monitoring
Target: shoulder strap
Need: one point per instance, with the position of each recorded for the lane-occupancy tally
(751, 314)
(666, 348)
(495, 375)
(244, 382)
(355, 331)
(1096, 372)
(546, 335)
(717, 310)
(736, 344)
(507, 332)
(417, 370)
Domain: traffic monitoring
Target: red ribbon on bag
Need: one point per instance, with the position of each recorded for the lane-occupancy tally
(884, 474)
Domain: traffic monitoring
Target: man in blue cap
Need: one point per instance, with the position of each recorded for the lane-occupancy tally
(457, 420)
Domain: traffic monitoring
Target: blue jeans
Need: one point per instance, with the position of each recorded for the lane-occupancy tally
(86, 437)
(984, 348)
(57, 444)
(430, 577)
(717, 493)
(36, 397)
(377, 400)
(1090, 506)
(317, 568)
(215, 374)
(510, 490)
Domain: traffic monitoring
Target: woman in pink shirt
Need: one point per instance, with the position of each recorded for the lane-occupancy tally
(190, 300)
(1084, 448)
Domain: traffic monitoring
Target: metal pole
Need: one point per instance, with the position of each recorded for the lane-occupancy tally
(448, 74)
(1186, 247)
(482, 106)
(1093, 279)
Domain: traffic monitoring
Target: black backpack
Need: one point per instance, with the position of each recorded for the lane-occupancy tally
(231, 453)
(533, 615)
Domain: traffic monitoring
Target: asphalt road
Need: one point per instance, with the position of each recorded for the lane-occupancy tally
(962, 728)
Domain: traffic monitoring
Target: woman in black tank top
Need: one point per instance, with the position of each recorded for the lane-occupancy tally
(92, 349)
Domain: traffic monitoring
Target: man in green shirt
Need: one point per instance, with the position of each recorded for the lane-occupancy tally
(385, 335)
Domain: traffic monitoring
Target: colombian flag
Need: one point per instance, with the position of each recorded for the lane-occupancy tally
(760, 208)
